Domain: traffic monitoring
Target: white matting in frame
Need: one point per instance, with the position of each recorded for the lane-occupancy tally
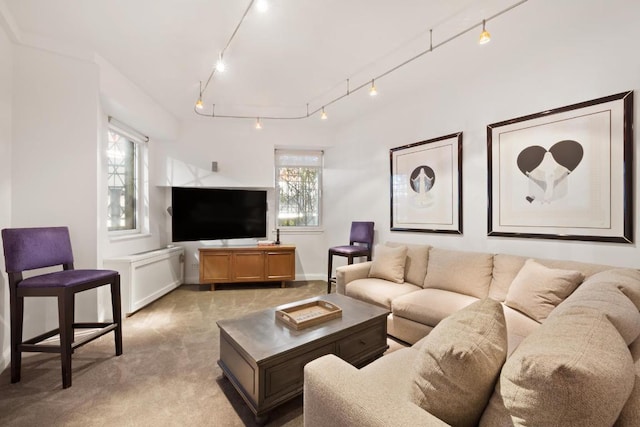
(564, 173)
(426, 185)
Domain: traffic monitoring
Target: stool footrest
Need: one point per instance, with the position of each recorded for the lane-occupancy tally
(36, 344)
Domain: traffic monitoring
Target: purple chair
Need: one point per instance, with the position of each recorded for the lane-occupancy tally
(360, 243)
(32, 248)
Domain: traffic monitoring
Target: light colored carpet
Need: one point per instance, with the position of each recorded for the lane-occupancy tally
(167, 376)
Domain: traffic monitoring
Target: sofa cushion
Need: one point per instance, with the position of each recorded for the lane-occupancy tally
(429, 306)
(537, 289)
(415, 268)
(631, 411)
(574, 370)
(459, 363)
(506, 268)
(605, 292)
(388, 263)
(378, 291)
(519, 326)
(468, 273)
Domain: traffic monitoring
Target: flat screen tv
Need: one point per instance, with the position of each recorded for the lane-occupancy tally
(213, 213)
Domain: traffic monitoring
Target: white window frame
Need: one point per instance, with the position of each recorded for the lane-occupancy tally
(141, 189)
(280, 154)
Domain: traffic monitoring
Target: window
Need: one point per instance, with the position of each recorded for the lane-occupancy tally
(124, 160)
(298, 187)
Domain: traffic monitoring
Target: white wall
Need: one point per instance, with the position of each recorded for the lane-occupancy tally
(544, 54)
(54, 161)
(6, 84)
(245, 158)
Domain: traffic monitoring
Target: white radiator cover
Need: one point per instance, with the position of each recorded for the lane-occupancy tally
(146, 276)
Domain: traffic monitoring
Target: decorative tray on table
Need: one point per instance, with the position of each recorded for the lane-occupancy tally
(308, 314)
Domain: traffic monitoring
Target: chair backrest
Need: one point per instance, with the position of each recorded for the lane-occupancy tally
(361, 232)
(31, 248)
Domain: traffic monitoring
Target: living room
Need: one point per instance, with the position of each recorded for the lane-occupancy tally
(56, 96)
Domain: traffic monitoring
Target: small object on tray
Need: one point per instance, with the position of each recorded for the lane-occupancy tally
(308, 314)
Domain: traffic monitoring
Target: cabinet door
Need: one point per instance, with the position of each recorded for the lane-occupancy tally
(215, 266)
(281, 265)
(248, 266)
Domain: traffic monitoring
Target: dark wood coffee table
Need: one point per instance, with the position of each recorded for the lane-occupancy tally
(264, 359)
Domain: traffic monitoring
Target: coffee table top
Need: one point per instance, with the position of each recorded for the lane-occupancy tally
(262, 336)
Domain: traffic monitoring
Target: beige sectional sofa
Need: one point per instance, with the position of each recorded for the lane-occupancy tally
(549, 336)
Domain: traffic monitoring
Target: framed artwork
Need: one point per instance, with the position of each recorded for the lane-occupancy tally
(426, 186)
(565, 173)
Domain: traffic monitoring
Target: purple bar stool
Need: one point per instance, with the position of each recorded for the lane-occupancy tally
(32, 248)
(360, 244)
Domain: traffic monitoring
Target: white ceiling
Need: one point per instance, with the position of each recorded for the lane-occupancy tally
(298, 52)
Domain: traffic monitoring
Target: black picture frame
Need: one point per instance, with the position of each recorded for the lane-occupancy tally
(426, 186)
(564, 173)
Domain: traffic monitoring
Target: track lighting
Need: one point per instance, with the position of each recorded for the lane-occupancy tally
(485, 37)
(199, 103)
(262, 5)
(220, 66)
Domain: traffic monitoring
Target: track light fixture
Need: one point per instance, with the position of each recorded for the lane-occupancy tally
(220, 65)
(262, 5)
(373, 91)
(485, 37)
(199, 103)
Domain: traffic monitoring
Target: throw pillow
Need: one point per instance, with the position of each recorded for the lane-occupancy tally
(575, 370)
(416, 266)
(388, 263)
(459, 363)
(537, 289)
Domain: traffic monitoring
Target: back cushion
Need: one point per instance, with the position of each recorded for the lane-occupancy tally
(468, 273)
(608, 292)
(631, 411)
(574, 370)
(415, 268)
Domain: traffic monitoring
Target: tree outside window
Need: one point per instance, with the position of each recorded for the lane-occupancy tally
(122, 159)
(298, 185)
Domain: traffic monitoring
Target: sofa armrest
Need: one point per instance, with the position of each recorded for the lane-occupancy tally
(349, 273)
(337, 394)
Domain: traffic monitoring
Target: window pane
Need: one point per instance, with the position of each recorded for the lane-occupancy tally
(299, 197)
(121, 166)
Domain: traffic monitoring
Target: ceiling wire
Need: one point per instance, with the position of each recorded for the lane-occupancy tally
(213, 71)
(349, 90)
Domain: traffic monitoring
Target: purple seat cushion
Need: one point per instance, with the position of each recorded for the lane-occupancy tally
(350, 250)
(66, 278)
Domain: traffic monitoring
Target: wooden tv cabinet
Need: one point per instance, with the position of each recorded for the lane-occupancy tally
(238, 264)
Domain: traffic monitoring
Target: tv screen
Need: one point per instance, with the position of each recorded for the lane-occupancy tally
(213, 213)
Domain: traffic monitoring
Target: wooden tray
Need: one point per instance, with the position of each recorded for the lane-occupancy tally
(308, 314)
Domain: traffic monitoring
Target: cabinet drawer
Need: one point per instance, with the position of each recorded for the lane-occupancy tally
(359, 344)
(289, 376)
